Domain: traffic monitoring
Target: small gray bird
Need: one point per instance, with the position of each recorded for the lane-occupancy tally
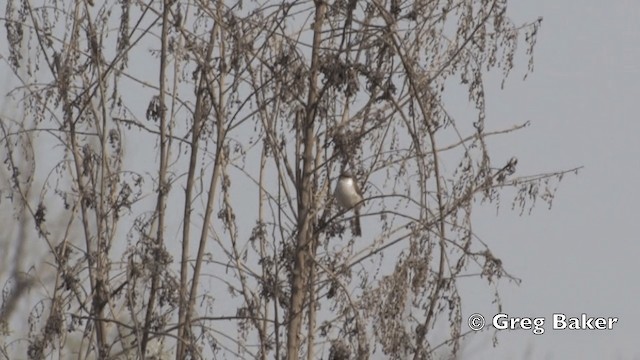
(349, 196)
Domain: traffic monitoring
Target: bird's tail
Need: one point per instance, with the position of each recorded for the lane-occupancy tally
(357, 231)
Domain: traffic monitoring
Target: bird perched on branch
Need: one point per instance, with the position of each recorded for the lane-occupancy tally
(349, 197)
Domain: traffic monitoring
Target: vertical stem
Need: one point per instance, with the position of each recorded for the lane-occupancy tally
(305, 192)
(162, 178)
(220, 160)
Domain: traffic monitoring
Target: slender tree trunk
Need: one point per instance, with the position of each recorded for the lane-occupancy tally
(305, 196)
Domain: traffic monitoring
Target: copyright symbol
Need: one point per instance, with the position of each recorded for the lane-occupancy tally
(476, 322)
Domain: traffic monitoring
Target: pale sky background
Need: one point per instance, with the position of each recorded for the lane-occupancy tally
(580, 256)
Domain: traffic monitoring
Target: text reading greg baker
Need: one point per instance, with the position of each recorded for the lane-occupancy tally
(559, 321)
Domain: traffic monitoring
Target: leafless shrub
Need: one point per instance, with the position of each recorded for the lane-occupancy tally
(172, 166)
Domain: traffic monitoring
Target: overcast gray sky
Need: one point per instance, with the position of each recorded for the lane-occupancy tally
(581, 256)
